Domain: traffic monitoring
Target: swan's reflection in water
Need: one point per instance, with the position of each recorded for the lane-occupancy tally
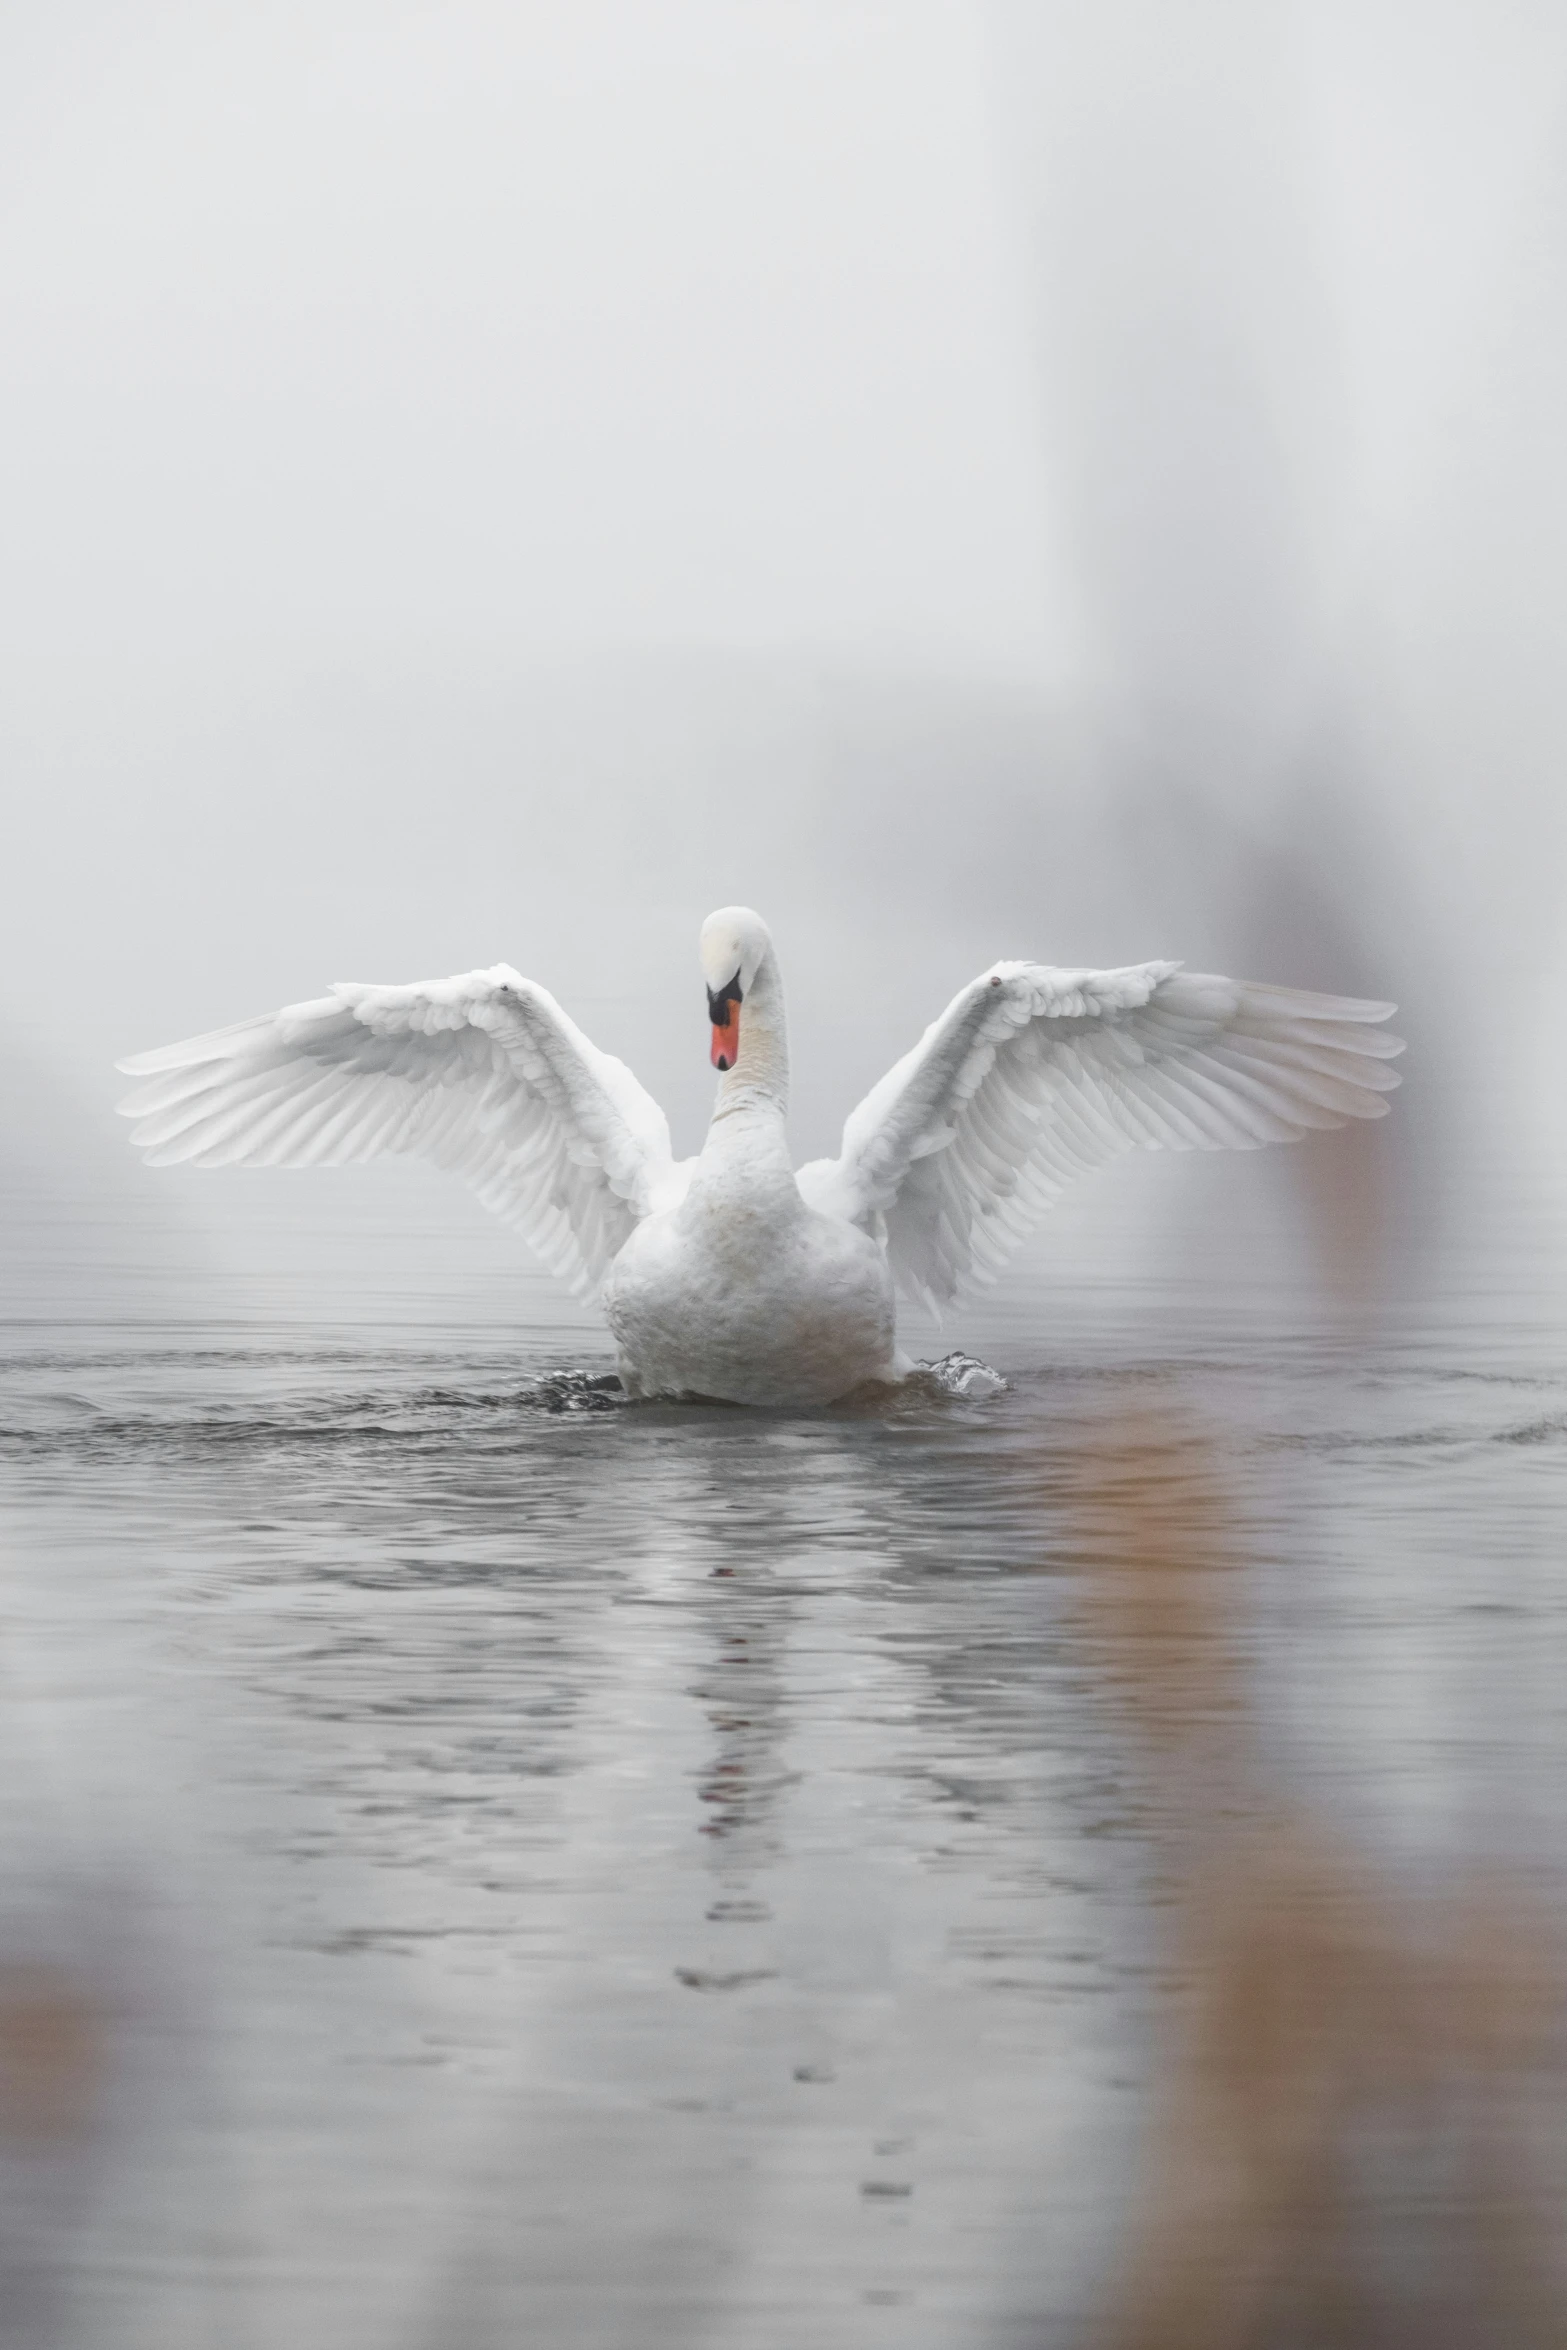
(674, 1876)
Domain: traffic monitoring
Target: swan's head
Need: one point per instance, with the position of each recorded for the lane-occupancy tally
(734, 941)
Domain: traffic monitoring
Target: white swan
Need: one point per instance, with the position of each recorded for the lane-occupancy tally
(732, 1275)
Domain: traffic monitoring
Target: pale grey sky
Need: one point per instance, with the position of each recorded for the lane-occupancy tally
(493, 481)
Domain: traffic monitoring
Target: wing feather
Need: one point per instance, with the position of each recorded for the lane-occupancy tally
(1033, 1075)
(483, 1073)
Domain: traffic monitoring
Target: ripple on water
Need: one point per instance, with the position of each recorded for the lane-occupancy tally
(660, 1810)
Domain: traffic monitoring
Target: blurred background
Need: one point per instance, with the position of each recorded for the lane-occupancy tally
(491, 483)
(970, 479)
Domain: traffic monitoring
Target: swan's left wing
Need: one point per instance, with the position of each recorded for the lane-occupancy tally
(483, 1073)
(1032, 1075)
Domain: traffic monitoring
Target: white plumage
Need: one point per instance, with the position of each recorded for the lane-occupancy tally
(1033, 1075)
(483, 1073)
(728, 1274)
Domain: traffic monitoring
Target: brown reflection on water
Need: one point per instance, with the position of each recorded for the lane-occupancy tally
(1360, 2105)
(52, 2057)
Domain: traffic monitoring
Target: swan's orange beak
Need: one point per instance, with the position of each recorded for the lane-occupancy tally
(723, 1009)
(726, 1038)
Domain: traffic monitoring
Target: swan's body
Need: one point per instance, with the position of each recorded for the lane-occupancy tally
(745, 1292)
(732, 1275)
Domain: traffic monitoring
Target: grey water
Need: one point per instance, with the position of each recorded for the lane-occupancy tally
(609, 1876)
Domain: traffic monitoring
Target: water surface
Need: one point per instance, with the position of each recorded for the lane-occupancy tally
(652, 1874)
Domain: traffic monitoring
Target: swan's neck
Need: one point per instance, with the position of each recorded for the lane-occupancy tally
(757, 1087)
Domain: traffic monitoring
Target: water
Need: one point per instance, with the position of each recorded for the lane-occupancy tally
(640, 1875)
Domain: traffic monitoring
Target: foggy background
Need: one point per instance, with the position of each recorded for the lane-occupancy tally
(494, 482)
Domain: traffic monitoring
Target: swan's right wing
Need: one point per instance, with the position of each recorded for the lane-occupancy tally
(483, 1074)
(1033, 1075)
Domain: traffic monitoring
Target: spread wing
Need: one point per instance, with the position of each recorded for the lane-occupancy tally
(1032, 1075)
(483, 1073)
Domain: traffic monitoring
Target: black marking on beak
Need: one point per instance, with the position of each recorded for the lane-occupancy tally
(719, 1000)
